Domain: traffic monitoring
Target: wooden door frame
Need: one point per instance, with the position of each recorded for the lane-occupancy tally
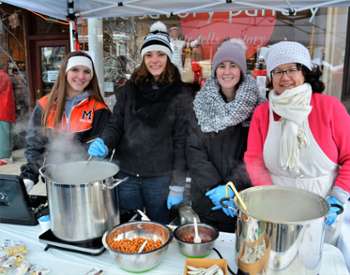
(346, 72)
(35, 43)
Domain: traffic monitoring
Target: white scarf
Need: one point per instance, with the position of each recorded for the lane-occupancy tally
(294, 107)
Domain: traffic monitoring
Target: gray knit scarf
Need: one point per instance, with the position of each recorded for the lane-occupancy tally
(214, 114)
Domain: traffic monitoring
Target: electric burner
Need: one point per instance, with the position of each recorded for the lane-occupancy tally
(91, 247)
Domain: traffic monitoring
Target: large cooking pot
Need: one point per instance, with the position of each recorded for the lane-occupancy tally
(81, 200)
(281, 232)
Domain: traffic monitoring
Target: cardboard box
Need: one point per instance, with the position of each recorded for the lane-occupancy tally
(206, 262)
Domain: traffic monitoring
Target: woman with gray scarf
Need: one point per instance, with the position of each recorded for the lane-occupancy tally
(218, 134)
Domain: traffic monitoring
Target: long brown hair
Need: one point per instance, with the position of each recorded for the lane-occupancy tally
(58, 94)
(141, 75)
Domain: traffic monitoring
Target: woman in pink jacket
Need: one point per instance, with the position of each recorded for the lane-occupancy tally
(300, 137)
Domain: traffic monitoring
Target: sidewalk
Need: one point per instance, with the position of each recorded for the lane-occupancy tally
(14, 169)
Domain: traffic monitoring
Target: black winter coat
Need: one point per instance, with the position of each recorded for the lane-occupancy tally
(148, 128)
(214, 159)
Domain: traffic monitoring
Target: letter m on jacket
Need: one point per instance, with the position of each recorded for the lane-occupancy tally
(87, 115)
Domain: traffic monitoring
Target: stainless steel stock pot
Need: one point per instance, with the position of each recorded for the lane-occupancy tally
(282, 231)
(82, 203)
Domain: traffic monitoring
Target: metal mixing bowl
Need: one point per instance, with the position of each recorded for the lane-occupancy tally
(138, 262)
(184, 235)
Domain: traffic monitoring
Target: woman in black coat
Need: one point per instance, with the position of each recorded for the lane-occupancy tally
(218, 134)
(148, 129)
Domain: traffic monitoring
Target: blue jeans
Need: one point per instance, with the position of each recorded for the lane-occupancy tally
(145, 192)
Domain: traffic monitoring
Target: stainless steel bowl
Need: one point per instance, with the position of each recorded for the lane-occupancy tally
(184, 235)
(139, 262)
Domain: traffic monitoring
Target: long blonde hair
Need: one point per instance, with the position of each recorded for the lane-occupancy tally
(58, 94)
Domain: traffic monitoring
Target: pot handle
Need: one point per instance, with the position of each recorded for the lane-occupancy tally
(340, 208)
(224, 205)
(41, 174)
(116, 182)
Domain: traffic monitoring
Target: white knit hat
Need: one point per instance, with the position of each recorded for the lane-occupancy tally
(157, 40)
(287, 52)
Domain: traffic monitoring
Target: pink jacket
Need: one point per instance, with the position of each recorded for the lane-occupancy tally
(329, 122)
(7, 100)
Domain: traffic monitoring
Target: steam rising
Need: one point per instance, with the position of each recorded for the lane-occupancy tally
(65, 148)
(68, 162)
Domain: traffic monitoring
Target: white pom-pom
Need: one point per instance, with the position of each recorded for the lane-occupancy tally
(239, 42)
(158, 26)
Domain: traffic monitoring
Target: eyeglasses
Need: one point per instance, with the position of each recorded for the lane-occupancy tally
(289, 72)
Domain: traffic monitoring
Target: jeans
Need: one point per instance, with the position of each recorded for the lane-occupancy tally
(145, 192)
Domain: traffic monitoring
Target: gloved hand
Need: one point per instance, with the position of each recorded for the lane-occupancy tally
(28, 183)
(176, 195)
(218, 193)
(333, 210)
(98, 148)
(231, 209)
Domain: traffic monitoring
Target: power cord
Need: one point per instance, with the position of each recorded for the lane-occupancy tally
(220, 256)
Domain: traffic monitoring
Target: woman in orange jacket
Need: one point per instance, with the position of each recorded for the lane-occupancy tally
(74, 106)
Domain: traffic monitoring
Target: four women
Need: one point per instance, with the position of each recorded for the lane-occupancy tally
(299, 138)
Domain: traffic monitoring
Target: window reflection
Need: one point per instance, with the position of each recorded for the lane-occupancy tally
(51, 59)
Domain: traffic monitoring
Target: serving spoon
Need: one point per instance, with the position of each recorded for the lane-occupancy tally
(197, 238)
(142, 247)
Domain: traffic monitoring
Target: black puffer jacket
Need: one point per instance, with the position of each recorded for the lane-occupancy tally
(148, 128)
(214, 159)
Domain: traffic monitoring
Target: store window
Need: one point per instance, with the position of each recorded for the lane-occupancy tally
(195, 37)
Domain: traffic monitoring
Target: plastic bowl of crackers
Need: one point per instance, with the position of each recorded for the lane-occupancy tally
(138, 246)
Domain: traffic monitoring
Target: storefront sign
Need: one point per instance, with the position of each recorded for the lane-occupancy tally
(254, 27)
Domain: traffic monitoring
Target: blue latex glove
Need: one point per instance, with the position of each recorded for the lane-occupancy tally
(98, 148)
(333, 211)
(176, 196)
(218, 193)
(230, 211)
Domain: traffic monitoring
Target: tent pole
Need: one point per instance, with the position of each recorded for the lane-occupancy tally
(95, 42)
(71, 17)
(71, 36)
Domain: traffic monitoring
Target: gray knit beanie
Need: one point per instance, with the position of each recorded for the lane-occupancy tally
(231, 50)
(286, 52)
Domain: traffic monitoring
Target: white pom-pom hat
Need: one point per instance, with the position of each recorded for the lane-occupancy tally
(157, 40)
(158, 26)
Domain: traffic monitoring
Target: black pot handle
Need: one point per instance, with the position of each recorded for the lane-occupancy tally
(340, 208)
(224, 200)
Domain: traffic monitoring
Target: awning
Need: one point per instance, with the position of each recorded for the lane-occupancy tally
(124, 8)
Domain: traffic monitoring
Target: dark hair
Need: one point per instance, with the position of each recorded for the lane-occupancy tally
(312, 77)
(57, 96)
(141, 75)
